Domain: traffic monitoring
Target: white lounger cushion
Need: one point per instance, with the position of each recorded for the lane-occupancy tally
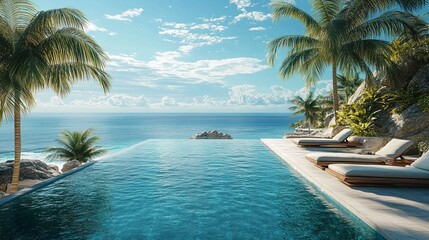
(351, 170)
(395, 148)
(343, 135)
(346, 157)
(339, 138)
(422, 162)
(314, 140)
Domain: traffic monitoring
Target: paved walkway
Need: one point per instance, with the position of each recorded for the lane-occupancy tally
(396, 213)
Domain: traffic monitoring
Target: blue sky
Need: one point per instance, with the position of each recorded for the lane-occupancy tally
(182, 56)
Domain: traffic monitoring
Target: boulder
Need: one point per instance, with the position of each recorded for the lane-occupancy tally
(420, 80)
(70, 165)
(212, 135)
(30, 169)
(411, 124)
(328, 119)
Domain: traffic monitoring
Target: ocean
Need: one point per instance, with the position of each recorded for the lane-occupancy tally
(121, 130)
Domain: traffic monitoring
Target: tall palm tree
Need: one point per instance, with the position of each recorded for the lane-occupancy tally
(308, 106)
(47, 49)
(76, 146)
(348, 84)
(341, 35)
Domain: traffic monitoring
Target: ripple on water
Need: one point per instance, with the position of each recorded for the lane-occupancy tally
(176, 189)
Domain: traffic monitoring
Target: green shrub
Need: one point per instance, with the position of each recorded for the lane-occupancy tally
(417, 49)
(297, 124)
(423, 147)
(361, 115)
(423, 103)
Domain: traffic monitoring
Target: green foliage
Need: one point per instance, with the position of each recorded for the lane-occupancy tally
(344, 35)
(76, 146)
(309, 106)
(423, 147)
(399, 100)
(347, 85)
(423, 103)
(409, 48)
(361, 115)
(297, 124)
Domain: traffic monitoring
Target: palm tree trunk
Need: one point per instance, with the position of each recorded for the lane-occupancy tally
(335, 89)
(17, 162)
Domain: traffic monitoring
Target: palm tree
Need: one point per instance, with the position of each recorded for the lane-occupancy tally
(47, 49)
(309, 106)
(341, 35)
(348, 84)
(76, 146)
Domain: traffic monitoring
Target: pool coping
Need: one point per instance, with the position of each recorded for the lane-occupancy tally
(395, 213)
(42, 184)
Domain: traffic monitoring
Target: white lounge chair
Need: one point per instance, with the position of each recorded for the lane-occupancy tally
(339, 140)
(375, 175)
(394, 149)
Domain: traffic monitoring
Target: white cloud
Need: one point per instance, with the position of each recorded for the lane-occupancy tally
(92, 27)
(168, 101)
(168, 65)
(241, 4)
(117, 100)
(218, 19)
(127, 15)
(253, 16)
(193, 35)
(257, 29)
(248, 95)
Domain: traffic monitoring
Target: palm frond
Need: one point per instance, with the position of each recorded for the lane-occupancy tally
(293, 61)
(389, 23)
(63, 75)
(293, 41)
(283, 9)
(72, 45)
(17, 13)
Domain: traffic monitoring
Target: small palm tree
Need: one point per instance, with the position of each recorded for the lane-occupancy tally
(347, 84)
(76, 146)
(309, 107)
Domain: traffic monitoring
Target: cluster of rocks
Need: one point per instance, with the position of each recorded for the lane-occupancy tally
(30, 169)
(212, 135)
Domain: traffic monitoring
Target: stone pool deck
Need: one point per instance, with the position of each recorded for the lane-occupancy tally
(396, 213)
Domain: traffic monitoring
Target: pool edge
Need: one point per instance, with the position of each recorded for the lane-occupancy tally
(331, 199)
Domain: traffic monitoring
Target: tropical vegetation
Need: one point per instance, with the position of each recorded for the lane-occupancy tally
(308, 106)
(341, 34)
(347, 85)
(46, 49)
(76, 145)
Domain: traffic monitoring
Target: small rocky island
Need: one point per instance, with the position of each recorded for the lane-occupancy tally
(212, 135)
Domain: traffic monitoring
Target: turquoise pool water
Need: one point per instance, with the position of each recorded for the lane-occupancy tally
(181, 189)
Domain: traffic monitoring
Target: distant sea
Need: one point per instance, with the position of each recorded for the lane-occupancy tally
(121, 130)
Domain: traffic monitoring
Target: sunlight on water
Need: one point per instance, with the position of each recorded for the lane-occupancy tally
(181, 189)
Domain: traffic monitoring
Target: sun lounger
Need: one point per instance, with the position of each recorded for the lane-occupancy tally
(339, 140)
(416, 175)
(391, 151)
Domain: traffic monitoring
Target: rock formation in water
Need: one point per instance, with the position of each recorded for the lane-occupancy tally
(212, 135)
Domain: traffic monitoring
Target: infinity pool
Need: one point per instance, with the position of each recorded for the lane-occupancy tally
(181, 189)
